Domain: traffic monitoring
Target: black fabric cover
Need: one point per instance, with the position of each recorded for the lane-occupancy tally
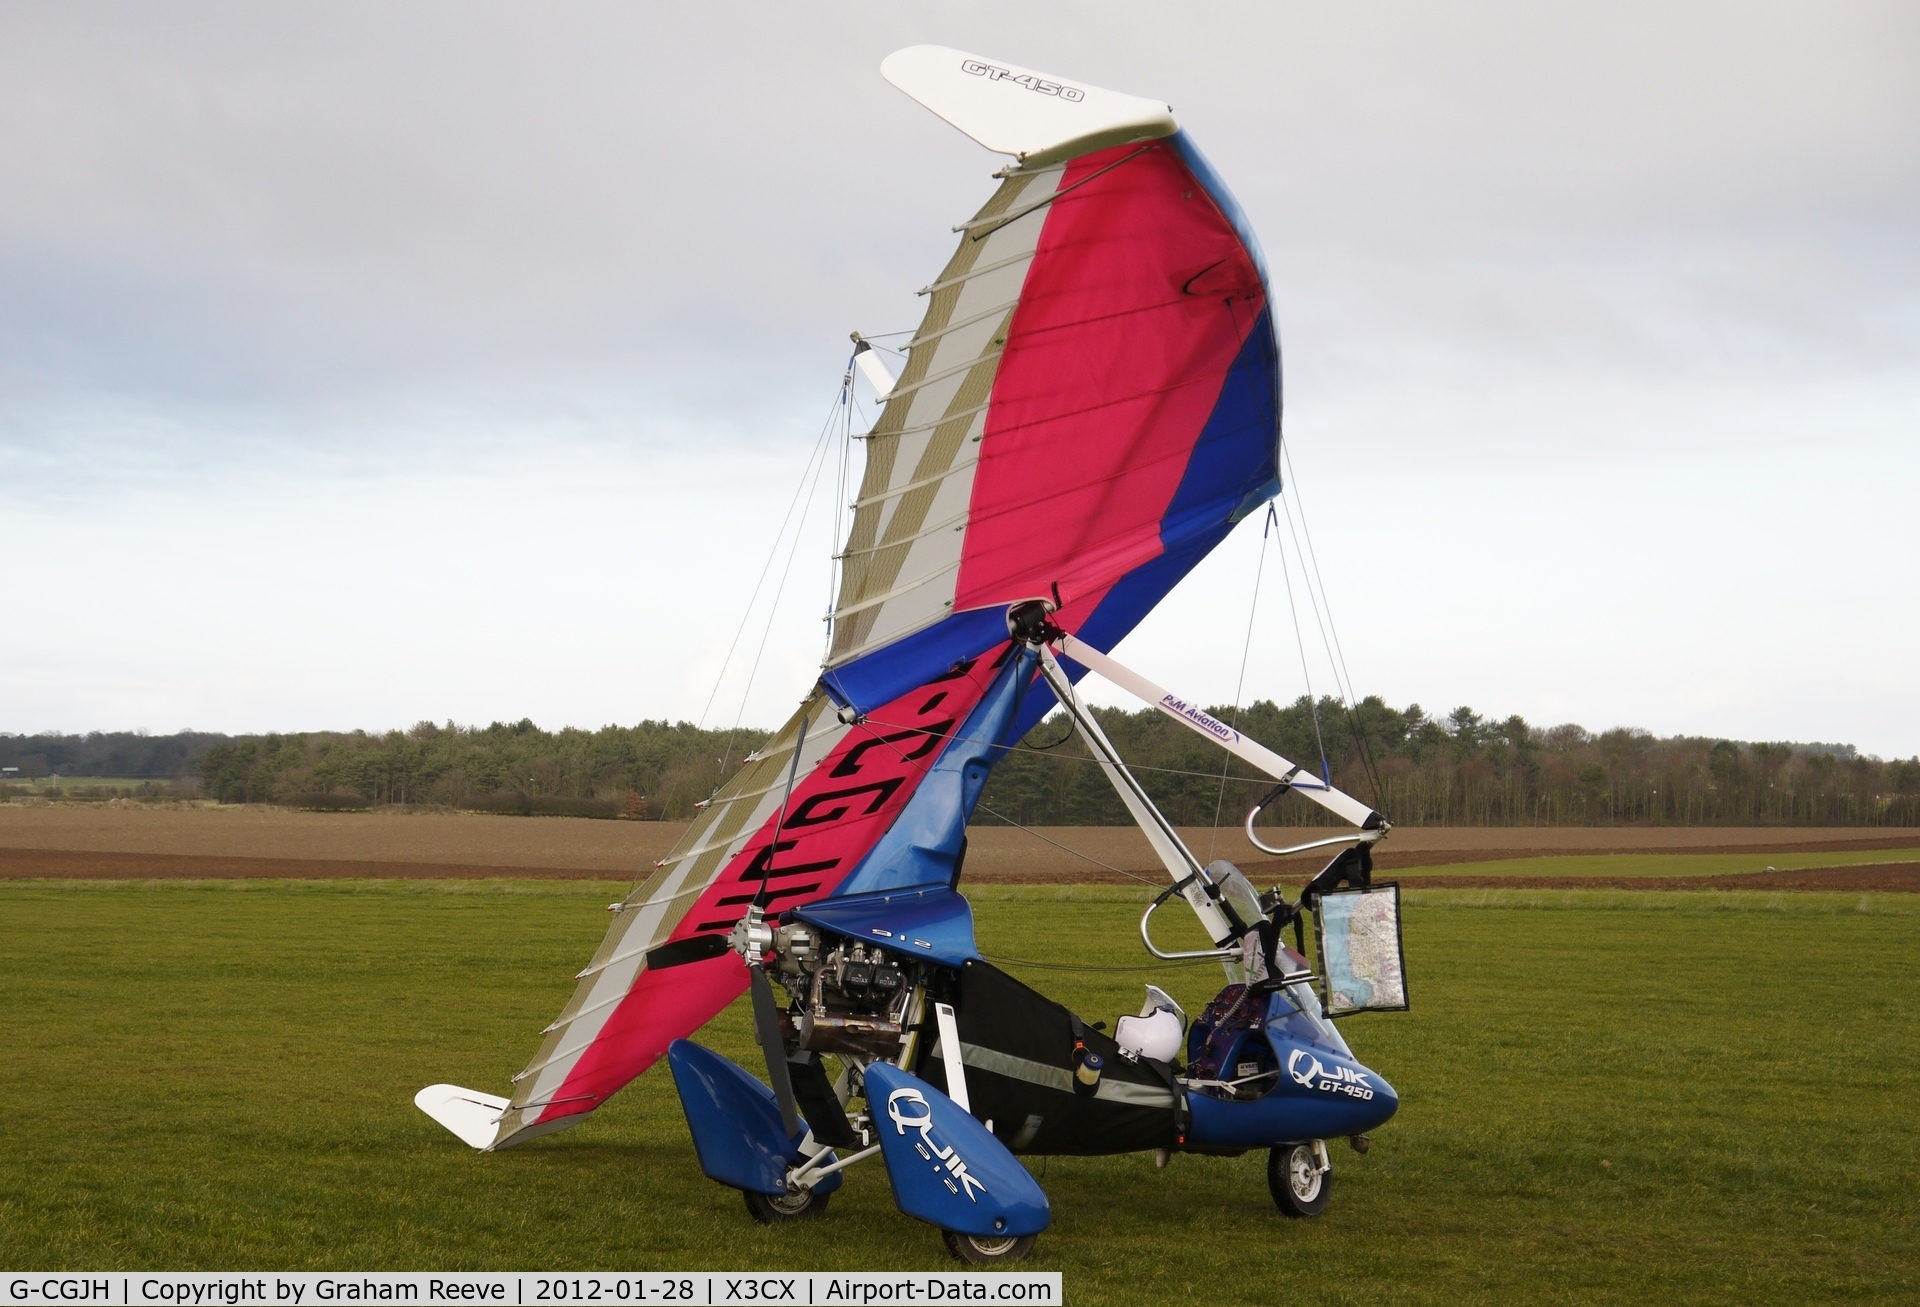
(997, 1012)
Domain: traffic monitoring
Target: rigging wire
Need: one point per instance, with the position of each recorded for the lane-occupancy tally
(1087, 857)
(810, 478)
(905, 728)
(1314, 557)
(844, 471)
(772, 553)
(1253, 607)
(998, 960)
(1239, 686)
(1336, 654)
(1313, 705)
(767, 632)
(773, 845)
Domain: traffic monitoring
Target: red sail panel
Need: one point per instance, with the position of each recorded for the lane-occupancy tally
(1138, 301)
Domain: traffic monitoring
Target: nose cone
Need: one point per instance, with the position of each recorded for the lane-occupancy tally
(1378, 1110)
(1346, 1097)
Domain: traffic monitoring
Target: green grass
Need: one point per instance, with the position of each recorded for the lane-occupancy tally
(1606, 1095)
(1658, 864)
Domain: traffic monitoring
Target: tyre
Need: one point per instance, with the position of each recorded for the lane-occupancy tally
(1300, 1187)
(987, 1249)
(775, 1209)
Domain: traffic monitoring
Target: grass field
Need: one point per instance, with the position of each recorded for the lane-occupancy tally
(1662, 864)
(1607, 1095)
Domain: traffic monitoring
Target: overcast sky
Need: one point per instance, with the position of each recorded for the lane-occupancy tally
(368, 363)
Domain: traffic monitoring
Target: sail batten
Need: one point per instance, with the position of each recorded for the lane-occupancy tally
(1023, 256)
(981, 316)
(916, 485)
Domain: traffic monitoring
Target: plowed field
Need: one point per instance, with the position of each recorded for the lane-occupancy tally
(100, 842)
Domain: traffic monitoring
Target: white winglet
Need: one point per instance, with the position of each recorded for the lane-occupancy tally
(1035, 117)
(873, 370)
(470, 1114)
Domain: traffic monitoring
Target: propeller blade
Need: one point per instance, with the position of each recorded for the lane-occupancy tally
(766, 1024)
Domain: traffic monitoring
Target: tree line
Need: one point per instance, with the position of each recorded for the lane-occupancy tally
(134, 754)
(1461, 769)
(653, 769)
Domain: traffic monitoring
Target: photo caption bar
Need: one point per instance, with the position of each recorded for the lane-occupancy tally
(523, 1288)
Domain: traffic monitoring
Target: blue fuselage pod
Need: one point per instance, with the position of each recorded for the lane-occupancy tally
(946, 1168)
(1319, 1094)
(735, 1122)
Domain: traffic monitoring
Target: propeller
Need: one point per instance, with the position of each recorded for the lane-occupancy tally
(752, 939)
(766, 1024)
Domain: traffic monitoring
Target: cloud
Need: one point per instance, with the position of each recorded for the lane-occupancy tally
(331, 273)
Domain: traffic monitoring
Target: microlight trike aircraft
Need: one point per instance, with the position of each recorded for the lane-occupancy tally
(1089, 406)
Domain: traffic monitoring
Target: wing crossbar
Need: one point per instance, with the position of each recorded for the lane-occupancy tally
(1190, 715)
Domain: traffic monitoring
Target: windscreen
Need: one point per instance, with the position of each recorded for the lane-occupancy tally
(1238, 892)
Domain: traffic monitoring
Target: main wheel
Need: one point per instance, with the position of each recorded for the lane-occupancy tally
(775, 1209)
(1300, 1187)
(987, 1249)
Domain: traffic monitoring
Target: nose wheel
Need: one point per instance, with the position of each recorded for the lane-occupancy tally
(778, 1209)
(985, 1249)
(1302, 1183)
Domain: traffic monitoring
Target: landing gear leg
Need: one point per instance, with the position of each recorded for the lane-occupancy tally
(1300, 1178)
(987, 1249)
(777, 1209)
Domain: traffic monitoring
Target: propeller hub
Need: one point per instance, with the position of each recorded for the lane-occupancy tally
(752, 937)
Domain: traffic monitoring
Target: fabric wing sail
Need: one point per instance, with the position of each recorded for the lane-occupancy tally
(1091, 402)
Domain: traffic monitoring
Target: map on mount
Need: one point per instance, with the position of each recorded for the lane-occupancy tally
(1360, 953)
